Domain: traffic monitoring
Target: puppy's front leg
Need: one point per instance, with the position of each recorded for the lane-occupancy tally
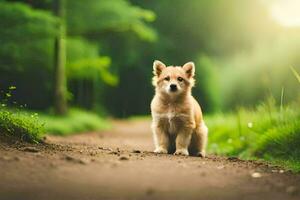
(201, 139)
(183, 140)
(161, 139)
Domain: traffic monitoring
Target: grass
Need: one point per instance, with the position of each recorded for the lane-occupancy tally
(20, 126)
(267, 132)
(139, 117)
(30, 126)
(296, 74)
(76, 121)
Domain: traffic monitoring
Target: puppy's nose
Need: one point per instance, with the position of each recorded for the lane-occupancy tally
(173, 87)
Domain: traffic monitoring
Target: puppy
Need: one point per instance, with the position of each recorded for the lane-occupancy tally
(177, 122)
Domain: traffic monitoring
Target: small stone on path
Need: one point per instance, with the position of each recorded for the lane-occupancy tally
(123, 158)
(256, 175)
(83, 161)
(234, 159)
(105, 148)
(114, 152)
(220, 167)
(30, 149)
(76, 160)
(69, 158)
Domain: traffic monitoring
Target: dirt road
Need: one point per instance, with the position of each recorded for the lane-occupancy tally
(118, 164)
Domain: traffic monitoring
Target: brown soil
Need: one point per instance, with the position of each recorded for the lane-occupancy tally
(118, 164)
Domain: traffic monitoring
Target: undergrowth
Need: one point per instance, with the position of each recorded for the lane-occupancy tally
(20, 126)
(266, 132)
(76, 121)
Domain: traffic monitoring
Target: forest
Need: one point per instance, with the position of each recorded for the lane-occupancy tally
(71, 66)
(76, 87)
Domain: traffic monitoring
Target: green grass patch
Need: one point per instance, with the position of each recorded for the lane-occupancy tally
(20, 126)
(267, 132)
(139, 117)
(31, 126)
(76, 121)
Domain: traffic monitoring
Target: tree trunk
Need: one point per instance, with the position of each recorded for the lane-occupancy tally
(60, 84)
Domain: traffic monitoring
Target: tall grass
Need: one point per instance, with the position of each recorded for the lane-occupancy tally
(295, 74)
(266, 132)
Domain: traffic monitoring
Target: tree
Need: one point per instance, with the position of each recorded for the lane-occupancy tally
(60, 86)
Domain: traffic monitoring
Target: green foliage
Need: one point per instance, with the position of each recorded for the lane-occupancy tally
(40, 4)
(27, 44)
(186, 30)
(79, 48)
(20, 22)
(30, 126)
(20, 126)
(266, 132)
(238, 63)
(83, 62)
(248, 78)
(76, 121)
(189, 28)
(26, 55)
(281, 141)
(206, 88)
(92, 17)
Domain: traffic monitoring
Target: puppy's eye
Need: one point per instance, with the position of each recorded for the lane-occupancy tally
(167, 78)
(180, 79)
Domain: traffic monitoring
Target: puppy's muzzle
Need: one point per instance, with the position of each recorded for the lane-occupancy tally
(173, 88)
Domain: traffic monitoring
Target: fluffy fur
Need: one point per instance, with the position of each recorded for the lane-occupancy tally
(177, 122)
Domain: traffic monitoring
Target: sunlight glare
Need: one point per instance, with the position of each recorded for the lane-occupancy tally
(286, 12)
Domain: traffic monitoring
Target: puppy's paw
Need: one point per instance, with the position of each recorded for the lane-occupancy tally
(201, 154)
(182, 152)
(160, 150)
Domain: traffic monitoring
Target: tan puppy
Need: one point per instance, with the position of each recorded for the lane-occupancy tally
(177, 121)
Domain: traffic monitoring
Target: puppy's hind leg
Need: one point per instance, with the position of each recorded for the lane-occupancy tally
(161, 140)
(201, 134)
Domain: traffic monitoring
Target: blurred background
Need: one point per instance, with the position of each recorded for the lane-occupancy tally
(98, 55)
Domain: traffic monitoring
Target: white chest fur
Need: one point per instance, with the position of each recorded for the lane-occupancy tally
(170, 120)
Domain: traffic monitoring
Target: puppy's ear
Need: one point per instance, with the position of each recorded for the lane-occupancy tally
(158, 67)
(189, 69)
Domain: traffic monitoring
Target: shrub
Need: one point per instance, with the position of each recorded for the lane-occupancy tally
(20, 126)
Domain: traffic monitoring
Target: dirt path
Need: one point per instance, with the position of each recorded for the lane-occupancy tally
(118, 164)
